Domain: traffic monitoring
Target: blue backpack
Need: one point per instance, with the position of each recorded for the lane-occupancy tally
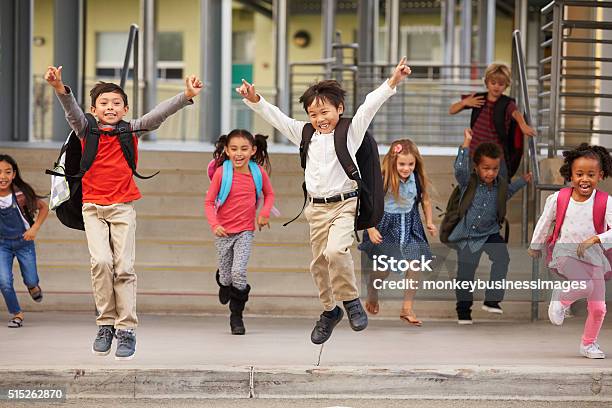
(228, 175)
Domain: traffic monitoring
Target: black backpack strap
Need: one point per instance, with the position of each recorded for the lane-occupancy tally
(468, 195)
(307, 132)
(340, 145)
(303, 205)
(346, 161)
(476, 111)
(126, 141)
(92, 138)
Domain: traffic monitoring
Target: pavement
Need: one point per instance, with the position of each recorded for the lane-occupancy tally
(181, 356)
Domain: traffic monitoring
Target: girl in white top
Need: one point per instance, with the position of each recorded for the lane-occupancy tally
(578, 253)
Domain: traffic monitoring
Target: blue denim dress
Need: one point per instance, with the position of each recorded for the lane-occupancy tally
(401, 226)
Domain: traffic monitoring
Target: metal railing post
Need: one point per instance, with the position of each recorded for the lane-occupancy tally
(555, 80)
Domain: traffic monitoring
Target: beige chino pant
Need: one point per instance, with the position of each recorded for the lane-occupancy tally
(331, 236)
(111, 238)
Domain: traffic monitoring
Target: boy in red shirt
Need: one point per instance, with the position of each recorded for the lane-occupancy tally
(108, 213)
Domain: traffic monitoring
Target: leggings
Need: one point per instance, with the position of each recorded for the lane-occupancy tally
(594, 291)
(233, 253)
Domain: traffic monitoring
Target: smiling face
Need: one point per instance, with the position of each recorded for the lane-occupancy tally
(323, 115)
(240, 150)
(110, 108)
(7, 175)
(405, 165)
(586, 173)
(488, 169)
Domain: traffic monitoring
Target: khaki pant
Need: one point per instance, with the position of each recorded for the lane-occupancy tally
(111, 238)
(331, 235)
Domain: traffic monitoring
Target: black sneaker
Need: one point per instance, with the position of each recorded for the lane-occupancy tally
(464, 317)
(492, 307)
(325, 325)
(126, 344)
(104, 340)
(358, 319)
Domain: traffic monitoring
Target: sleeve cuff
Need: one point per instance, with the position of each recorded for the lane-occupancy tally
(385, 85)
(254, 105)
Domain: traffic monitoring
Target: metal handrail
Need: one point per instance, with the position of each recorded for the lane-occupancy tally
(524, 99)
(131, 44)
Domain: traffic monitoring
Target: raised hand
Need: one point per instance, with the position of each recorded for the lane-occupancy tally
(400, 72)
(193, 86)
(247, 91)
(54, 77)
(473, 101)
(528, 177)
(467, 137)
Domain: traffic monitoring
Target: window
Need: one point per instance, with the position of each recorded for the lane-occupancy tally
(110, 52)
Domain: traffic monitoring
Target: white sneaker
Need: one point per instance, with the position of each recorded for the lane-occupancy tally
(556, 310)
(591, 351)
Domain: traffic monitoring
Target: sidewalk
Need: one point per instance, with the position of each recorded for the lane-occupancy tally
(195, 356)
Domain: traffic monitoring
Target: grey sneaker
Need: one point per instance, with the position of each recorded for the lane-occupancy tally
(126, 344)
(104, 340)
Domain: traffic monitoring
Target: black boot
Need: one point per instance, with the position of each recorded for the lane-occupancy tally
(238, 299)
(224, 291)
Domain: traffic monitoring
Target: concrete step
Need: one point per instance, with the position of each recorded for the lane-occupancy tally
(192, 228)
(185, 252)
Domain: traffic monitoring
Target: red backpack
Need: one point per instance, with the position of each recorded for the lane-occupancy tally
(599, 222)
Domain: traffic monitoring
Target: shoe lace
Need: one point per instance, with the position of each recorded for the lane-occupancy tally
(124, 336)
(353, 310)
(104, 332)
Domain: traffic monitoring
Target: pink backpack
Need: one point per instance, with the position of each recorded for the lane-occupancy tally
(599, 222)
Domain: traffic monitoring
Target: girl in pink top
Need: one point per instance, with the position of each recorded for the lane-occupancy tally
(581, 242)
(239, 181)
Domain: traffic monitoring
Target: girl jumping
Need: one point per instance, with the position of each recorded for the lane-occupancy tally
(22, 212)
(400, 233)
(582, 216)
(238, 183)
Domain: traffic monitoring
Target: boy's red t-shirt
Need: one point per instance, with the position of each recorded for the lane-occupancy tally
(110, 180)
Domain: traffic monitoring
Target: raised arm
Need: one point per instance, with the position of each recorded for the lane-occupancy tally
(153, 119)
(72, 110)
(462, 162)
(374, 100)
(273, 115)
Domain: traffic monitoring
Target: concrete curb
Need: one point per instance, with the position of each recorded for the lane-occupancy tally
(506, 383)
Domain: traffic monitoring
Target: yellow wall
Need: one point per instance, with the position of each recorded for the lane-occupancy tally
(42, 56)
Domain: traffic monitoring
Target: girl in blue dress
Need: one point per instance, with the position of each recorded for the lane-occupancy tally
(400, 233)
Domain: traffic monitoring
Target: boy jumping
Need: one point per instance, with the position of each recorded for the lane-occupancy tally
(332, 195)
(108, 213)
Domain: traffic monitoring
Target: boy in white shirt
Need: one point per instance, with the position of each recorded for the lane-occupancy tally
(332, 195)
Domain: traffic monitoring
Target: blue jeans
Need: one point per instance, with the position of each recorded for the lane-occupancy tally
(26, 256)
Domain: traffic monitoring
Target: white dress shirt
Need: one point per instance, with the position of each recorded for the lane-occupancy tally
(324, 175)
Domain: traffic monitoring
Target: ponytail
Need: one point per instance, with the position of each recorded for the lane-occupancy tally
(261, 156)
